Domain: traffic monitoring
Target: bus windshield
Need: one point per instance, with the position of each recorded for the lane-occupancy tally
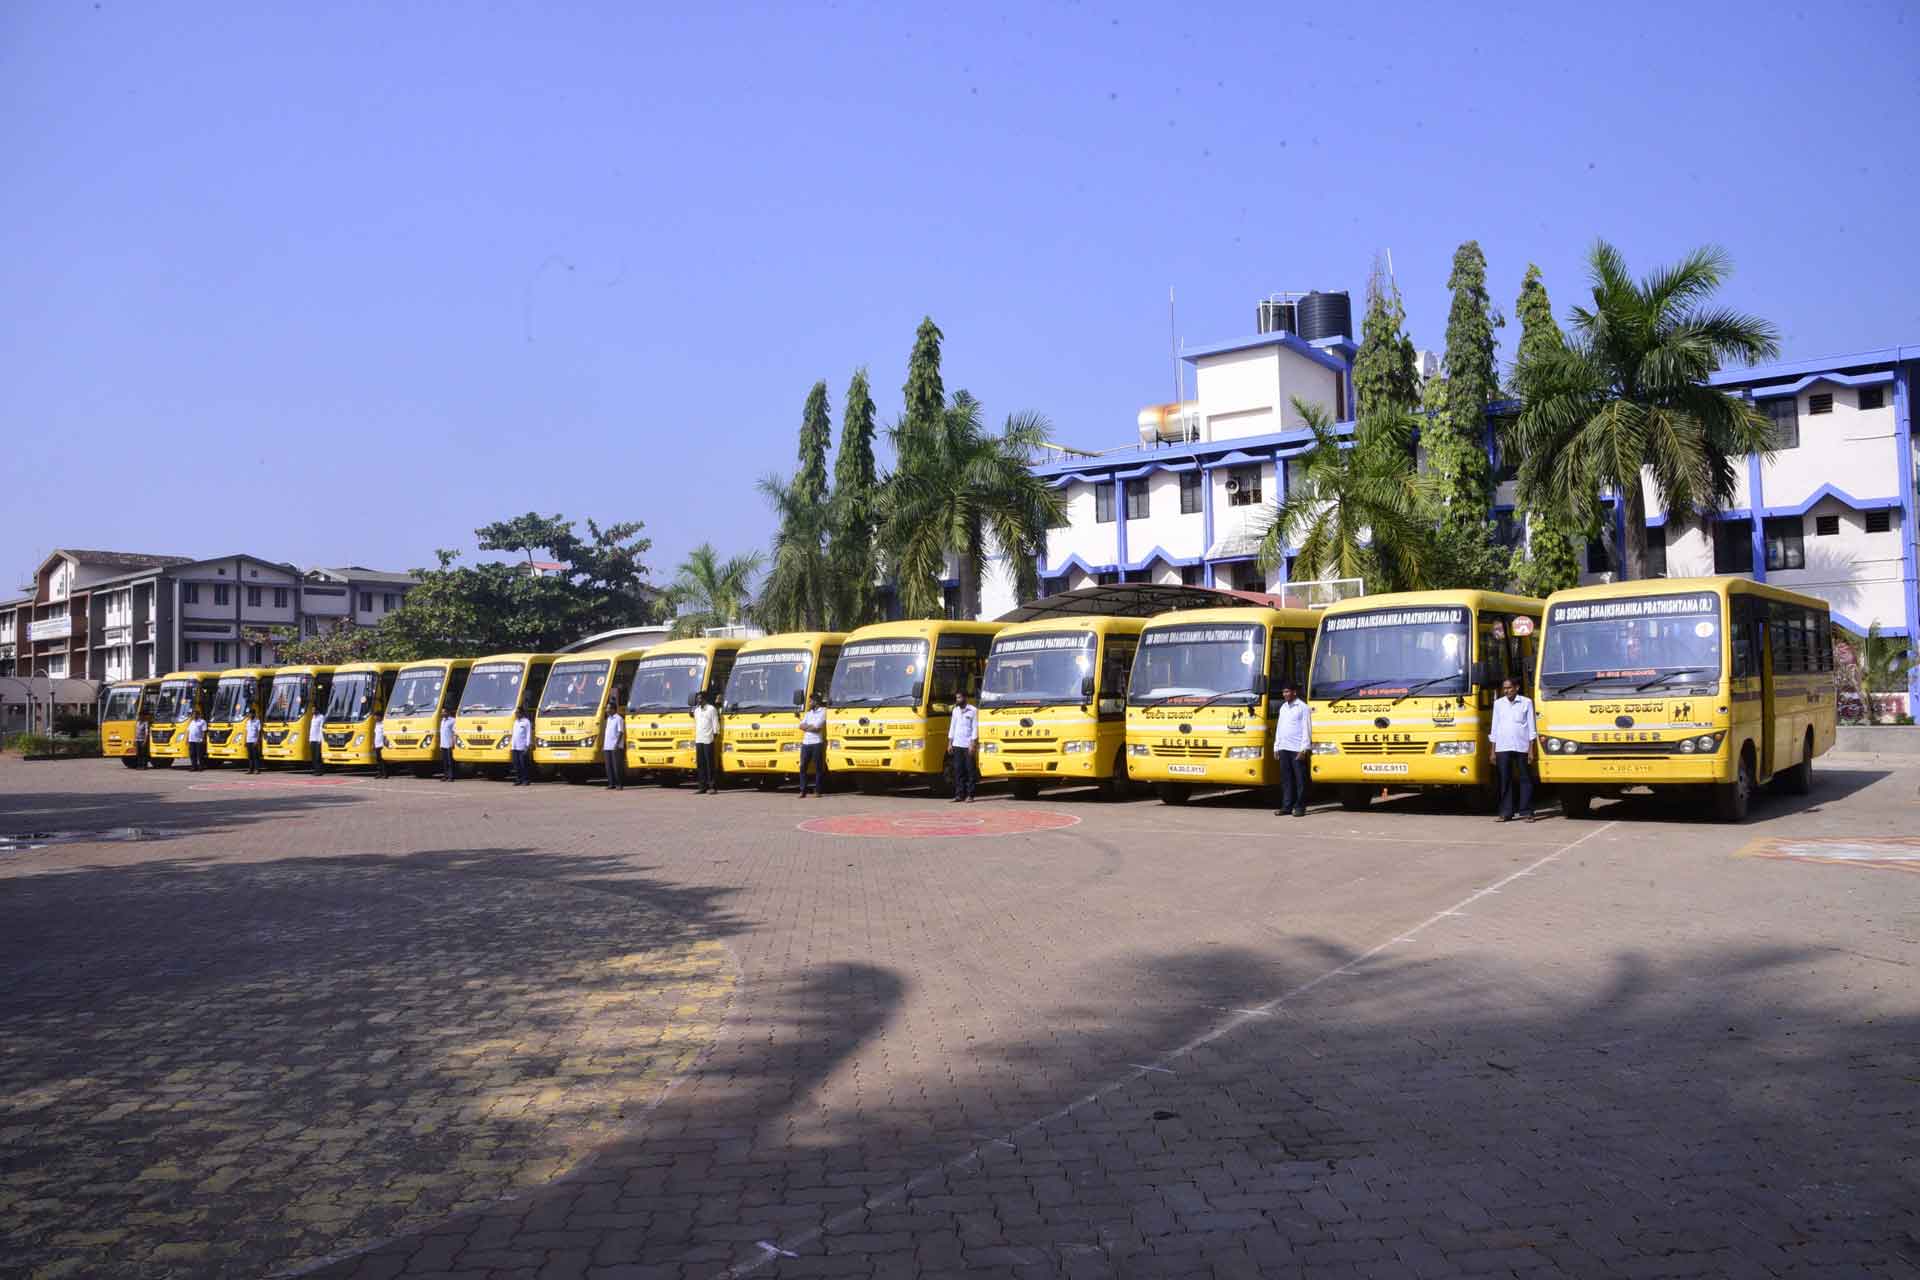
(769, 680)
(880, 672)
(575, 688)
(176, 701)
(1036, 669)
(668, 683)
(1201, 663)
(493, 688)
(122, 704)
(416, 693)
(232, 700)
(1604, 646)
(1390, 652)
(352, 698)
(288, 700)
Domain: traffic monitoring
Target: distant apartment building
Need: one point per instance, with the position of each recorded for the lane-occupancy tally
(101, 615)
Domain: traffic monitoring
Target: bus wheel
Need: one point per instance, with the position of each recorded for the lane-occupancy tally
(1024, 790)
(1172, 793)
(1798, 781)
(132, 762)
(944, 785)
(1355, 796)
(162, 763)
(1575, 802)
(1116, 786)
(1730, 799)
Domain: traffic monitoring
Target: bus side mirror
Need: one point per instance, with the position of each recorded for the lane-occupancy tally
(1259, 684)
(693, 699)
(799, 698)
(1482, 676)
(1086, 686)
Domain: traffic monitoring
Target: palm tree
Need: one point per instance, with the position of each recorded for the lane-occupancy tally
(1627, 391)
(1881, 664)
(1358, 508)
(707, 591)
(960, 490)
(799, 588)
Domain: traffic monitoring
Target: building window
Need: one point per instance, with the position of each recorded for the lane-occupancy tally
(219, 653)
(57, 667)
(366, 602)
(257, 654)
(1826, 526)
(1879, 522)
(1137, 506)
(1249, 578)
(1193, 575)
(387, 601)
(1137, 575)
(1103, 504)
(1786, 543)
(1821, 403)
(189, 593)
(222, 594)
(1784, 412)
(1733, 546)
(1873, 397)
(1106, 578)
(1189, 492)
(1506, 529)
(279, 597)
(1656, 551)
(253, 597)
(1243, 487)
(191, 648)
(1599, 559)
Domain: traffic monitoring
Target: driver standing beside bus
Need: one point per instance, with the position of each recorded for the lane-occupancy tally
(1292, 744)
(446, 744)
(1513, 739)
(316, 731)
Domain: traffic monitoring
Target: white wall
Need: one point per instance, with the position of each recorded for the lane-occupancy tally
(1239, 392)
(1093, 543)
(1310, 381)
(1230, 520)
(1852, 449)
(1164, 526)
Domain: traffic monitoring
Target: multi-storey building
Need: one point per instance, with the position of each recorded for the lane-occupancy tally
(88, 615)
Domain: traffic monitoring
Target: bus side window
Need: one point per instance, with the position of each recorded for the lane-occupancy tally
(1299, 649)
(823, 672)
(1523, 654)
(1115, 668)
(1493, 648)
(623, 676)
(1744, 633)
(456, 685)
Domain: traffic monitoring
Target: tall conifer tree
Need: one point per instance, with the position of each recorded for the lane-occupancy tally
(816, 436)
(854, 510)
(1456, 440)
(1384, 377)
(1548, 560)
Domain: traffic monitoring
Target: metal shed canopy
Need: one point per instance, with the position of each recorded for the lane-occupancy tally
(1132, 600)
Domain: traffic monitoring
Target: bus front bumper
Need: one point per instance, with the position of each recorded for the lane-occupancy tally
(1599, 771)
(1419, 768)
(662, 754)
(886, 759)
(764, 753)
(1041, 766)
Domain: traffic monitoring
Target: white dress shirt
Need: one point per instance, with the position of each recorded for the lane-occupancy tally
(522, 733)
(813, 726)
(446, 731)
(196, 730)
(253, 729)
(1512, 723)
(706, 722)
(1292, 726)
(616, 731)
(379, 734)
(315, 726)
(965, 728)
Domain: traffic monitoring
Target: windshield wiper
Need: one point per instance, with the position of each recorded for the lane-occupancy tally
(1665, 676)
(1417, 687)
(1581, 683)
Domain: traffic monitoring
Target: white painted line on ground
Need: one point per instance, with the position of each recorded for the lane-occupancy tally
(1201, 1041)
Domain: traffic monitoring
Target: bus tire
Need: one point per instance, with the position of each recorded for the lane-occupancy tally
(943, 786)
(1116, 785)
(130, 762)
(1355, 796)
(1575, 802)
(1026, 790)
(1732, 799)
(1175, 793)
(1798, 781)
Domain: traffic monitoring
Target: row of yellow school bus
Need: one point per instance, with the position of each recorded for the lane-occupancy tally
(1722, 684)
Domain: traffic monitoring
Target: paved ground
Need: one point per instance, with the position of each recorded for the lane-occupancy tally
(360, 1029)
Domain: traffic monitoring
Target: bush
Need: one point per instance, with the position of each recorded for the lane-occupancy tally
(39, 744)
(71, 724)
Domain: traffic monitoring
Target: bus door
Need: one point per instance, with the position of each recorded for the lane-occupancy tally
(1494, 631)
(1116, 666)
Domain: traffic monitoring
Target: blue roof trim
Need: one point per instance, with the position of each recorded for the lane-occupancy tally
(1819, 364)
(1299, 346)
(1165, 557)
(1857, 628)
(1844, 379)
(1185, 457)
(1073, 561)
(1840, 495)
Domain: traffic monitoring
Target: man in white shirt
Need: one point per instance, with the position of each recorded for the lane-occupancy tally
(446, 745)
(615, 746)
(706, 734)
(1513, 747)
(522, 744)
(142, 739)
(379, 746)
(197, 742)
(252, 731)
(316, 728)
(963, 737)
(1292, 745)
(813, 747)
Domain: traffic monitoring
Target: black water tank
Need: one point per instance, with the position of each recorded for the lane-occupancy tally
(1326, 315)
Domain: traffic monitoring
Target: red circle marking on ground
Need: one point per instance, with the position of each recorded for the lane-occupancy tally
(929, 823)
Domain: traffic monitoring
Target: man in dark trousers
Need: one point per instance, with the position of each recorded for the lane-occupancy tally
(1513, 747)
(615, 746)
(446, 745)
(142, 733)
(1292, 745)
(379, 747)
(252, 731)
(522, 743)
(963, 741)
(197, 742)
(316, 731)
(813, 747)
(706, 745)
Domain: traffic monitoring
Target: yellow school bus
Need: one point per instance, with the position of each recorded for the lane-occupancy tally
(241, 690)
(1053, 703)
(1719, 684)
(1199, 696)
(496, 688)
(120, 715)
(296, 696)
(181, 694)
(420, 691)
(773, 680)
(891, 700)
(660, 703)
(358, 698)
(572, 716)
(1403, 685)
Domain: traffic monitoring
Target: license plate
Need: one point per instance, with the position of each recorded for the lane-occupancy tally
(1192, 770)
(560, 755)
(1383, 770)
(1627, 768)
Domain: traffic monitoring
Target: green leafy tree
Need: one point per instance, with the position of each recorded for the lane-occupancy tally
(854, 511)
(1875, 664)
(962, 491)
(1357, 509)
(1456, 440)
(816, 437)
(708, 591)
(925, 392)
(1548, 560)
(1384, 377)
(1627, 392)
(797, 593)
(347, 642)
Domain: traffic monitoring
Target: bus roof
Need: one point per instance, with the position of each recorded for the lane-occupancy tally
(813, 641)
(1719, 584)
(253, 673)
(705, 646)
(1293, 619)
(191, 675)
(1096, 624)
(921, 628)
(601, 655)
(1472, 599)
(139, 682)
(451, 664)
(322, 669)
(522, 658)
(354, 668)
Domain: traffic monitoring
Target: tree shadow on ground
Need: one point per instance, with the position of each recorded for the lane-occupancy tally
(107, 816)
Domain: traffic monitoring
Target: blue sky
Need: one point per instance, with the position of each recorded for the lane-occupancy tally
(339, 286)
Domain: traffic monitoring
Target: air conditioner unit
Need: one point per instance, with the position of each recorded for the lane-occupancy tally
(1233, 485)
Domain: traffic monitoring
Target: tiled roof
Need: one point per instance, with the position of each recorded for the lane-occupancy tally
(355, 573)
(122, 559)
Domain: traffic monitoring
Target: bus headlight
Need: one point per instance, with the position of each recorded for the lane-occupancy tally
(1137, 749)
(1243, 753)
(684, 744)
(726, 747)
(1453, 748)
(989, 746)
(1687, 747)
(1707, 743)
(359, 739)
(909, 744)
(1078, 746)
(1326, 748)
(502, 744)
(836, 744)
